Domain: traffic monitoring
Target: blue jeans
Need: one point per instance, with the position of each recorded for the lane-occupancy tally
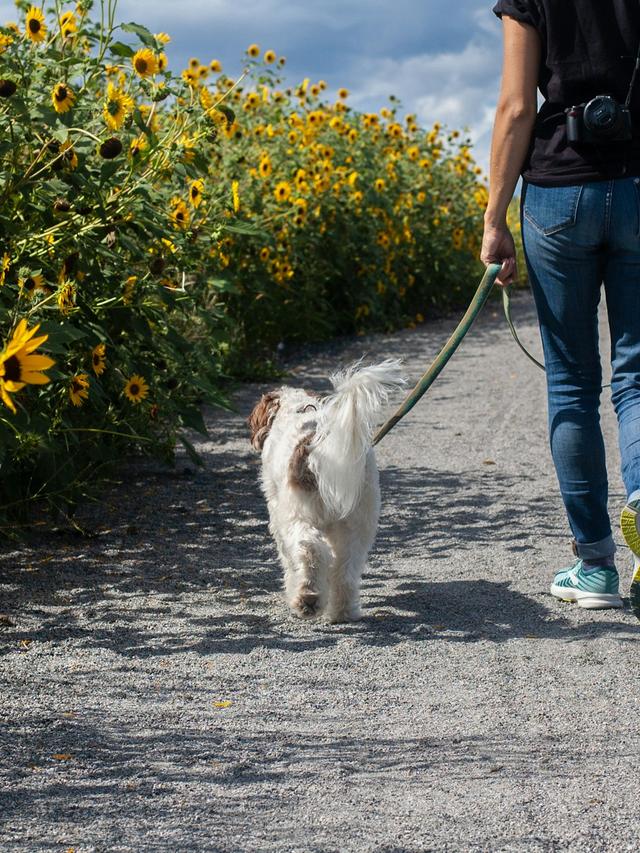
(576, 239)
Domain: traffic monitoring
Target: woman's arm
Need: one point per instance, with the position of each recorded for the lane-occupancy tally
(515, 117)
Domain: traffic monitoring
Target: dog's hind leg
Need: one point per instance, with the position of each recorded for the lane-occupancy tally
(306, 570)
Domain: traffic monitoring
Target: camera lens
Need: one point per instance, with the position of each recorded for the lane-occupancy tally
(602, 116)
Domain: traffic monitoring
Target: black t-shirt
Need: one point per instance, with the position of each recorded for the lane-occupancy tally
(588, 48)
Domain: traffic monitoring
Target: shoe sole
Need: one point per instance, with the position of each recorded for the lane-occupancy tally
(631, 535)
(588, 600)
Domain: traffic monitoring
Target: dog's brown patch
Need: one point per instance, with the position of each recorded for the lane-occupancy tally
(262, 417)
(299, 473)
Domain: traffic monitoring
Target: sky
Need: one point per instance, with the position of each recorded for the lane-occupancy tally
(441, 58)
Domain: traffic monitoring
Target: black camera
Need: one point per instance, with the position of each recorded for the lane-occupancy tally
(598, 121)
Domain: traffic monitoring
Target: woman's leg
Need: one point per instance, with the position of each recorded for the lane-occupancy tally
(622, 287)
(563, 235)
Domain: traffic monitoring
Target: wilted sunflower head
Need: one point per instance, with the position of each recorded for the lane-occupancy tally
(110, 148)
(7, 88)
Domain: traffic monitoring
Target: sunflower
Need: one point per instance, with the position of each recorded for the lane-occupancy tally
(69, 156)
(66, 297)
(215, 66)
(136, 389)
(30, 284)
(235, 195)
(343, 94)
(264, 254)
(269, 56)
(79, 389)
(68, 24)
(99, 359)
(5, 41)
(379, 184)
(265, 166)
(35, 27)
(144, 63)
(190, 77)
(62, 97)
(195, 192)
(117, 107)
(162, 61)
(180, 214)
(138, 145)
(253, 50)
(20, 365)
(163, 38)
(282, 191)
(5, 263)
(128, 288)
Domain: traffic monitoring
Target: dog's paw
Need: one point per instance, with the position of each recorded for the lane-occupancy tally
(306, 604)
(337, 617)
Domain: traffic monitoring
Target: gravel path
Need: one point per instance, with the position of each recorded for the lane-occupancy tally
(157, 696)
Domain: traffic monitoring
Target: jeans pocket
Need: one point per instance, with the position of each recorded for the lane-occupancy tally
(551, 209)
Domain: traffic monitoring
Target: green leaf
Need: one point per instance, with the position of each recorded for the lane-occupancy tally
(119, 48)
(142, 32)
(192, 418)
(191, 451)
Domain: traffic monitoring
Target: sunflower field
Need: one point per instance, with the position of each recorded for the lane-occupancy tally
(162, 232)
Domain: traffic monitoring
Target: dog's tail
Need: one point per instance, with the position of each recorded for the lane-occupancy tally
(345, 424)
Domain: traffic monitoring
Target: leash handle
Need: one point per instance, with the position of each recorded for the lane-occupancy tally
(506, 305)
(428, 378)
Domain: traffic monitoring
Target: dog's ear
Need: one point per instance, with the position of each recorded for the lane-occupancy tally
(262, 417)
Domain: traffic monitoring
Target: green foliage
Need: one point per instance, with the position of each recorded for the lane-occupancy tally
(166, 231)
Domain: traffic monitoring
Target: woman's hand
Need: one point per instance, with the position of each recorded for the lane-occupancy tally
(498, 248)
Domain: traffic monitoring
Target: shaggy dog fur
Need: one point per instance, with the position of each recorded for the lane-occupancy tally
(320, 480)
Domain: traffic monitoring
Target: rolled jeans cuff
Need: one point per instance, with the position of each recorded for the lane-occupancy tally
(595, 550)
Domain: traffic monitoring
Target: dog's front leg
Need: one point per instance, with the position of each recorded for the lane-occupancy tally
(306, 570)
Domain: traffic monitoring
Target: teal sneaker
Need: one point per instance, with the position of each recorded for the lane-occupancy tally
(598, 588)
(631, 535)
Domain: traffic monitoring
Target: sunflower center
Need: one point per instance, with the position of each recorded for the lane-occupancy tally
(113, 107)
(141, 65)
(29, 283)
(134, 389)
(12, 369)
(61, 93)
(34, 25)
(77, 386)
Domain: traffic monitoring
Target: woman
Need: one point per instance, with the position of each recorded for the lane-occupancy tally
(579, 157)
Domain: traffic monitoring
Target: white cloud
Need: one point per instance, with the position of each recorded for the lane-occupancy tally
(441, 60)
(457, 88)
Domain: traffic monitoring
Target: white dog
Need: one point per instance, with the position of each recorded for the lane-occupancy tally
(320, 479)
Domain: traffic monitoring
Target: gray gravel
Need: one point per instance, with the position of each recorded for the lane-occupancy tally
(468, 711)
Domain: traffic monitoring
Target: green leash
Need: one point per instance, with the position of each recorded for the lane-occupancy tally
(480, 297)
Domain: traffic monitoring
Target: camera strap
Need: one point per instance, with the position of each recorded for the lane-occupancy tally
(633, 78)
